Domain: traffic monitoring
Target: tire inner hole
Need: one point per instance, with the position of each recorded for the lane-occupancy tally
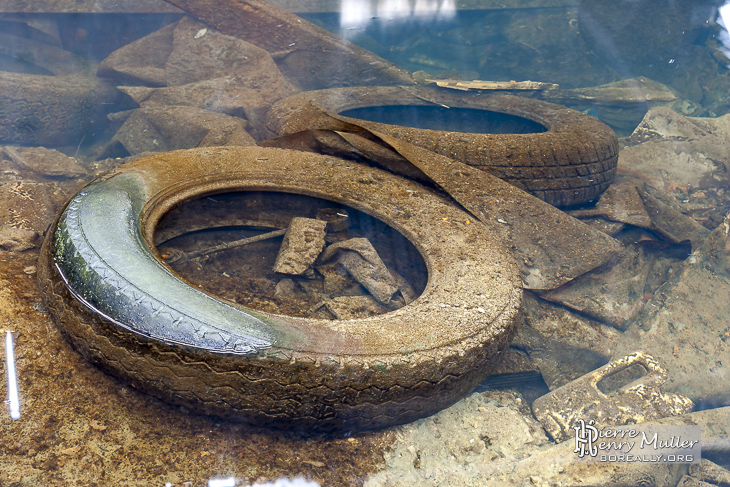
(245, 274)
(454, 119)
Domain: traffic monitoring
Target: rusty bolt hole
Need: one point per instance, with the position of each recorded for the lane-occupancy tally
(245, 275)
(622, 379)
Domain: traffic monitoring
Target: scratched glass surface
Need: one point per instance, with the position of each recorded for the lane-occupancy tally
(88, 85)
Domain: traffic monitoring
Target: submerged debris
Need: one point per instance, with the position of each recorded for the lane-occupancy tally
(671, 200)
(18, 239)
(362, 261)
(308, 55)
(44, 162)
(684, 326)
(562, 344)
(161, 129)
(524, 223)
(302, 244)
(610, 395)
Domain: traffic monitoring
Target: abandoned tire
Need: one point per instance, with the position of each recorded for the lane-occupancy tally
(105, 285)
(560, 155)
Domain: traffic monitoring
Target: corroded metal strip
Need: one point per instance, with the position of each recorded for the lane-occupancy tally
(101, 254)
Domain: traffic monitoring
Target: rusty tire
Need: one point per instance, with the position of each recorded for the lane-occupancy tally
(571, 162)
(131, 315)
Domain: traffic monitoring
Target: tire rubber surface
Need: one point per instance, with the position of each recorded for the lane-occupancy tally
(122, 308)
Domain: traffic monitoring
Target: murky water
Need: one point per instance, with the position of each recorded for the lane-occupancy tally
(248, 270)
(86, 87)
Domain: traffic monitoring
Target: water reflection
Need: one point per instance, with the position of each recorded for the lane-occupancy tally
(356, 13)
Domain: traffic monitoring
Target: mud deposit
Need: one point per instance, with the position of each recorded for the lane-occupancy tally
(81, 427)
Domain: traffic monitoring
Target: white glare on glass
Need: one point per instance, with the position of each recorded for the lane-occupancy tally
(725, 15)
(423, 8)
(13, 398)
(447, 9)
(723, 19)
(394, 9)
(354, 12)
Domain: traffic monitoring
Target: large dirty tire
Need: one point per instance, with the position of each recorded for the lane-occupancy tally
(563, 156)
(106, 287)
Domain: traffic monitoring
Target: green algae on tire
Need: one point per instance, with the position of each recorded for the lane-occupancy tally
(106, 287)
(112, 271)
